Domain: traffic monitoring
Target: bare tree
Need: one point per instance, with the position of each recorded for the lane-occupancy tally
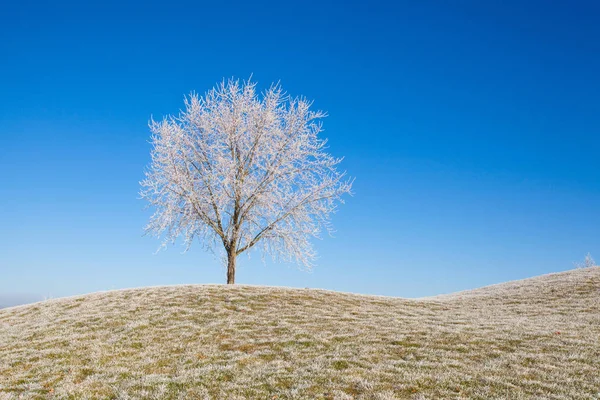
(241, 170)
(588, 262)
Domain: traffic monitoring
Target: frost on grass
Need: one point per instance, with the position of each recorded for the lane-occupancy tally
(537, 338)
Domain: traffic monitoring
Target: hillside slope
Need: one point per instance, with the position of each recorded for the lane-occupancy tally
(536, 338)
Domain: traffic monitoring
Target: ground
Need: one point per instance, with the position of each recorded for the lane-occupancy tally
(532, 339)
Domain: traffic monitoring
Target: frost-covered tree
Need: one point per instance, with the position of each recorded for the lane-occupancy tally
(588, 262)
(238, 170)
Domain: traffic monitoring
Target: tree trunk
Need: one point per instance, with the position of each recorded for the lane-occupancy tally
(231, 256)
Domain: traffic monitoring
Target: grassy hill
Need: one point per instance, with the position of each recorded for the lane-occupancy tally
(536, 338)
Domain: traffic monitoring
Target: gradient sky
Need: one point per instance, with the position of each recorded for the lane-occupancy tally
(472, 129)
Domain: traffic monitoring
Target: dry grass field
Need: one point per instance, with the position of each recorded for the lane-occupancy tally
(533, 339)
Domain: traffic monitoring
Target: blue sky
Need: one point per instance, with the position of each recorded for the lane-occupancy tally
(472, 129)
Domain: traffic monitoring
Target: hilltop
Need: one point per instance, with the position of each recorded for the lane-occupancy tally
(535, 338)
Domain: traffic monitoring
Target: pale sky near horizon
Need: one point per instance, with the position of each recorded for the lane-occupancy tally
(472, 129)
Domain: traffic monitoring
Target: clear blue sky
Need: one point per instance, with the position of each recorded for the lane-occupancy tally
(472, 128)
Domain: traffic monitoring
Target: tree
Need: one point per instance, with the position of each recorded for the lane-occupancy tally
(588, 262)
(241, 170)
